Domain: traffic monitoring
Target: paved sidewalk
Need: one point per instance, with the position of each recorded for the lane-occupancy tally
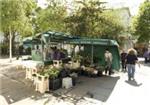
(114, 90)
(132, 92)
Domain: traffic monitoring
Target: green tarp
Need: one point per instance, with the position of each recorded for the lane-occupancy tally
(99, 45)
(85, 41)
(98, 50)
(98, 53)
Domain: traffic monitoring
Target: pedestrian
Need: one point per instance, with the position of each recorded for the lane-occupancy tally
(45, 51)
(108, 62)
(146, 56)
(131, 60)
(123, 60)
(55, 53)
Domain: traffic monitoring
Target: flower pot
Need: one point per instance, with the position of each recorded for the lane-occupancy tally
(74, 79)
(57, 63)
(63, 73)
(28, 73)
(100, 73)
(67, 82)
(75, 64)
(54, 84)
(41, 83)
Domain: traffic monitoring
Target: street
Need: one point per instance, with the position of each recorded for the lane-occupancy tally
(114, 90)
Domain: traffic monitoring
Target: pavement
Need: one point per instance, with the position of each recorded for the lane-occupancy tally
(13, 85)
(105, 90)
(132, 92)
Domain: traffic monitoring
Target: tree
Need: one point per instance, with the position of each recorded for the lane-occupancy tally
(85, 19)
(91, 19)
(51, 18)
(141, 23)
(16, 14)
(15, 19)
(111, 25)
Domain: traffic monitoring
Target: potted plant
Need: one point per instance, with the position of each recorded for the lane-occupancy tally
(77, 58)
(75, 65)
(41, 81)
(54, 81)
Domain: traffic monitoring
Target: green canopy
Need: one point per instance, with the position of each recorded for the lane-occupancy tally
(92, 47)
(27, 40)
(86, 41)
(95, 49)
(55, 36)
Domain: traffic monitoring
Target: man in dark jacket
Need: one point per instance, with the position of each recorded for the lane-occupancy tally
(123, 60)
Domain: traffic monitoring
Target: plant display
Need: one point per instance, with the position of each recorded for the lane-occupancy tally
(52, 72)
(77, 58)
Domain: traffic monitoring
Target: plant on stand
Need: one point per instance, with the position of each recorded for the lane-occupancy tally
(54, 81)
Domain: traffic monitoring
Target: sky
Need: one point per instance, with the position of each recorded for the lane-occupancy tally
(132, 4)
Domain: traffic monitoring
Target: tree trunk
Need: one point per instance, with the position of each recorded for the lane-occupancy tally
(10, 45)
(13, 43)
(6, 42)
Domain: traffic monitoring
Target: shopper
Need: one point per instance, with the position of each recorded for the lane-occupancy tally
(147, 56)
(108, 62)
(131, 60)
(123, 62)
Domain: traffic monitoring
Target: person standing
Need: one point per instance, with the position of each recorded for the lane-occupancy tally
(123, 60)
(131, 60)
(108, 62)
(146, 56)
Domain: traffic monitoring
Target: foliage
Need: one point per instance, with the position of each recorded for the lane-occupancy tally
(51, 18)
(111, 26)
(77, 57)
(91, 20)
(141, 23)
(15, 20)
(4, 49)
(49, 71)
(15, 15)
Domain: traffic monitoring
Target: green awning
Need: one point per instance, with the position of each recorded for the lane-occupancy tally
(56, 36)
(27, 40)
(85, 41)
(59, 37)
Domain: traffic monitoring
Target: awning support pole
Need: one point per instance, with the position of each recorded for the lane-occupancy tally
(42, 49)
(92, 52)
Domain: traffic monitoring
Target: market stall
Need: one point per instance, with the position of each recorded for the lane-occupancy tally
(66, 57)
(94, 49)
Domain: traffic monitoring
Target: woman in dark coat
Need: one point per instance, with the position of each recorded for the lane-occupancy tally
(131, 60)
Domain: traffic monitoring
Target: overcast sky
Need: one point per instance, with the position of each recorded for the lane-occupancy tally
(132, 4)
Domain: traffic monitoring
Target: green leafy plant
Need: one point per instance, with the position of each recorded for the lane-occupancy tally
(52, 72)
(77, 58)
(49, 72)
(42, 71)
(140, 24)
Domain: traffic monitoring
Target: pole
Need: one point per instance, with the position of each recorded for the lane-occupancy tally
(10, 45)
(92, 52)
(42, 49)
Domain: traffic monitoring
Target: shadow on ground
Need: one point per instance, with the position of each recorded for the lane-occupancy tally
(133, 83)
(147, 64)
(143, 62)
(14, 86)
(96, 88)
